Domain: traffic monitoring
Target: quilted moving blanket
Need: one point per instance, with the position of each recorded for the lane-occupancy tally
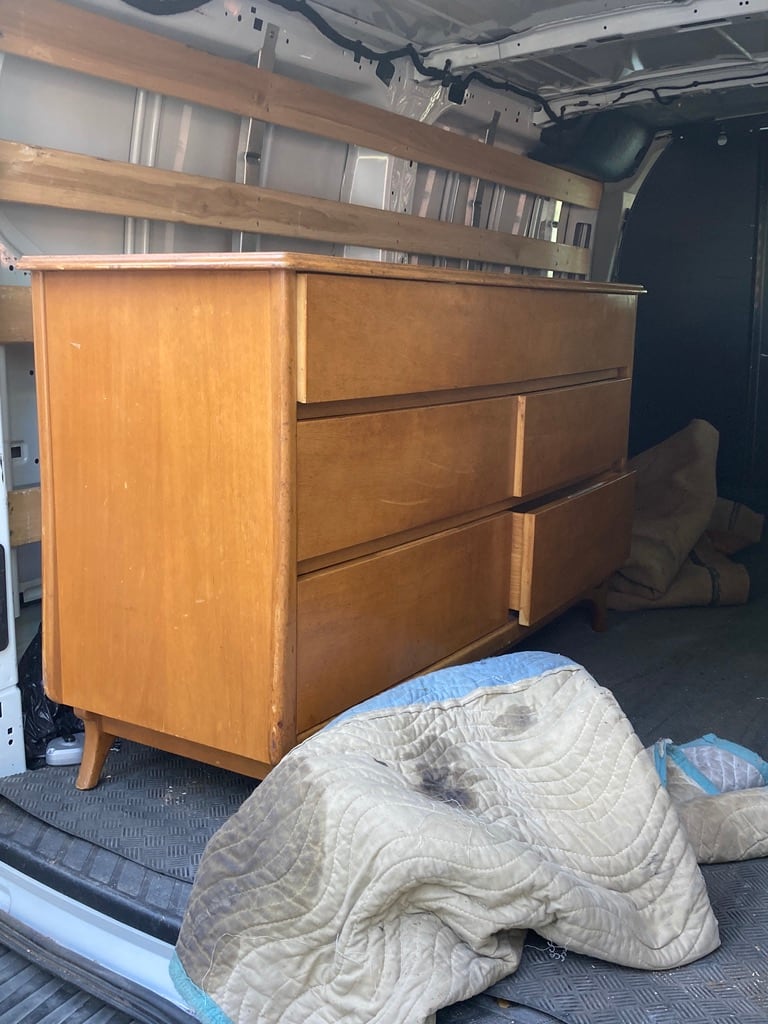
(391, 864)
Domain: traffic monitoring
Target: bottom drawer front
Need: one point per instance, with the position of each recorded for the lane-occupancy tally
(561, 549)
(371, 623)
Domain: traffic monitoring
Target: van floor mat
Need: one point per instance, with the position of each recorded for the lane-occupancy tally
(730, 984)
(153, 808)
(100, 879)
(31, 995)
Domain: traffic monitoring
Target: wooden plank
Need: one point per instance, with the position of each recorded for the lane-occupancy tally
(49, 177)
(368, 624)
(64, 36)
(15, 314)
(24, 515)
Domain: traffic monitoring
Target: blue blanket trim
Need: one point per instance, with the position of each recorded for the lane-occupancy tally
(737, 750)
(201, 1004)
(660, 748)
(459, 680)
(666, 748)
(702, 781)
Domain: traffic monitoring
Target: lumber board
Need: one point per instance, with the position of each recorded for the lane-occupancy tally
(15, 314)
(48, 177)
(24, 515)
(64, 36)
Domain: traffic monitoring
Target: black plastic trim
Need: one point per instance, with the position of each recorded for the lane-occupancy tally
(104, 984)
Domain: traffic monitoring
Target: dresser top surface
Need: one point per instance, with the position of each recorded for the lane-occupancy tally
(306, 263)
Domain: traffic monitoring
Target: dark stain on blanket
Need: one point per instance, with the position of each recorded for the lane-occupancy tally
(438, 784)
(515, 719)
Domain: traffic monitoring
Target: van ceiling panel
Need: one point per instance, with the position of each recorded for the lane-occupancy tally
(588, 55)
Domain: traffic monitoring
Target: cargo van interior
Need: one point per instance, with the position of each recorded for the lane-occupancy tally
(354, 341)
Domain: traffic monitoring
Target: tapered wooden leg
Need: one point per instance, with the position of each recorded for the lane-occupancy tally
(95, 750)
(598, 602)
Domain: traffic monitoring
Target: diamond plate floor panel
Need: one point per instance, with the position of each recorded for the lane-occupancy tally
(730, 984)
(30, 995)
(154, 809)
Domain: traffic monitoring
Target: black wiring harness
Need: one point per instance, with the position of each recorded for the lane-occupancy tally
(656, 91)
(457, 85)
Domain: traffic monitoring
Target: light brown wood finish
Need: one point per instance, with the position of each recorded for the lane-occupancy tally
(313, 264)
(396, 337)
(62, 35)
(509, 635)
(180, 612)
(570, 434)
(275, 506)
(95, 749)
(24, 516)
(52, 675)
(15, 314)
(562, 548)
(172, 613)
(49, 177)
(100, 732)
(401, 469)
(368, 624)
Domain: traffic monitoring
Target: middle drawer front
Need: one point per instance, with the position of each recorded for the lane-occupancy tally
(368, 624)
(374, 475)
(570, 434)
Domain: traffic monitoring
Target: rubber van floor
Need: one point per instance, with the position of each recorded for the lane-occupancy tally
(31, 995)
(677, 673)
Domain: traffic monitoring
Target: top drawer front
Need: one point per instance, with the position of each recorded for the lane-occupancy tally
(365, 337)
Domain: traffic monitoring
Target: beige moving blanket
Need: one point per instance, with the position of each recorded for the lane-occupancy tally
(682, 532)
(392, 864)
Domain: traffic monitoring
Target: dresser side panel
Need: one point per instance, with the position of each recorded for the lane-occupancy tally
(169, 561)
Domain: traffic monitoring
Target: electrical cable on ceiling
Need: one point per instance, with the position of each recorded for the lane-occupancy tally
(457, 85)
(656, 90)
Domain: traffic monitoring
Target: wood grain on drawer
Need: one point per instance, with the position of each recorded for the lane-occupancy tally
(374, 475)
(361, 337)
(570, 434)
(563, 548)
(371, 623)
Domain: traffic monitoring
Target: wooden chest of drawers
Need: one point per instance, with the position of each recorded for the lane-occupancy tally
(274, 485)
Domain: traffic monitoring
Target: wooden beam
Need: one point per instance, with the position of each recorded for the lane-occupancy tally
(24, 518)
(48, 177)
(64, 36)
(15, 314)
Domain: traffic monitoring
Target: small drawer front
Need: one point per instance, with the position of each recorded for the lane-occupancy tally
(366, 625)
(374, 475)
(570, 434)
(365, 337)
(561, 549)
